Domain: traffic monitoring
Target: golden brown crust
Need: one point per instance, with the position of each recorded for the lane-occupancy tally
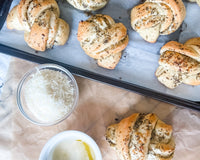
(180, 63)
(162, 130)
(163, 16)
(111, 50)
(39, 20)
(140, 137)
(34, 8)
(62, 33)
(13, 21)
(193, 41)
(169, 78)
(180, 48)
(22, 8)
(101, 38)
(110, 134)
(123, 135)
(194, 45)
(193, 80)
(178, 9)
(38, 36)
(110, 62)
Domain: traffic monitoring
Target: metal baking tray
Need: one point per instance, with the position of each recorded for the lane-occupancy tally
(95, 73)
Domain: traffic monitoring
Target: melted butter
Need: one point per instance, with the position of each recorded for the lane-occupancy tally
(73, 150)
(88, 150)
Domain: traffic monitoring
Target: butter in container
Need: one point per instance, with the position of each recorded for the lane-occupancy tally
(71, 145)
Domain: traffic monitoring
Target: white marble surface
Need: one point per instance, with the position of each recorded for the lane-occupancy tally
(4, 64)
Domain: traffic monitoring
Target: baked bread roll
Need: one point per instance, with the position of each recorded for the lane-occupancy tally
(41, 23)
(157, 17)
(179, 63)
(198, 1)
(141, 137)
(89, 5)
(103, 39)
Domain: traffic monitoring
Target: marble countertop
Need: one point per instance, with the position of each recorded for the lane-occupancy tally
(4, 64)
(99, 106)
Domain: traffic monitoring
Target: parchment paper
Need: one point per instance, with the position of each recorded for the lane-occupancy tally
(140, 58)
(99, 106)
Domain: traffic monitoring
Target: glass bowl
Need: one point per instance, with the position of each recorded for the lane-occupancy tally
(22, 100)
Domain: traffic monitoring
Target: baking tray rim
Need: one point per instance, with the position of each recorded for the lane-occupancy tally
(104, 79)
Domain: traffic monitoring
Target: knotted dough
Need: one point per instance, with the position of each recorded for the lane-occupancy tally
(103, 39)
(157, 17)
(41, 23)
(141, 137)
(179, 63)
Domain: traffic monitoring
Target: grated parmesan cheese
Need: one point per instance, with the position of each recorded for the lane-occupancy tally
(49, 95)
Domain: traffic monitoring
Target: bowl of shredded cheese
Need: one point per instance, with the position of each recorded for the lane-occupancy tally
(47, 94)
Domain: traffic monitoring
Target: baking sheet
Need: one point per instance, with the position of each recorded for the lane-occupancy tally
(140, 58)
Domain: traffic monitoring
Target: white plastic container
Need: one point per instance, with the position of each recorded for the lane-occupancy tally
(68, 136)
